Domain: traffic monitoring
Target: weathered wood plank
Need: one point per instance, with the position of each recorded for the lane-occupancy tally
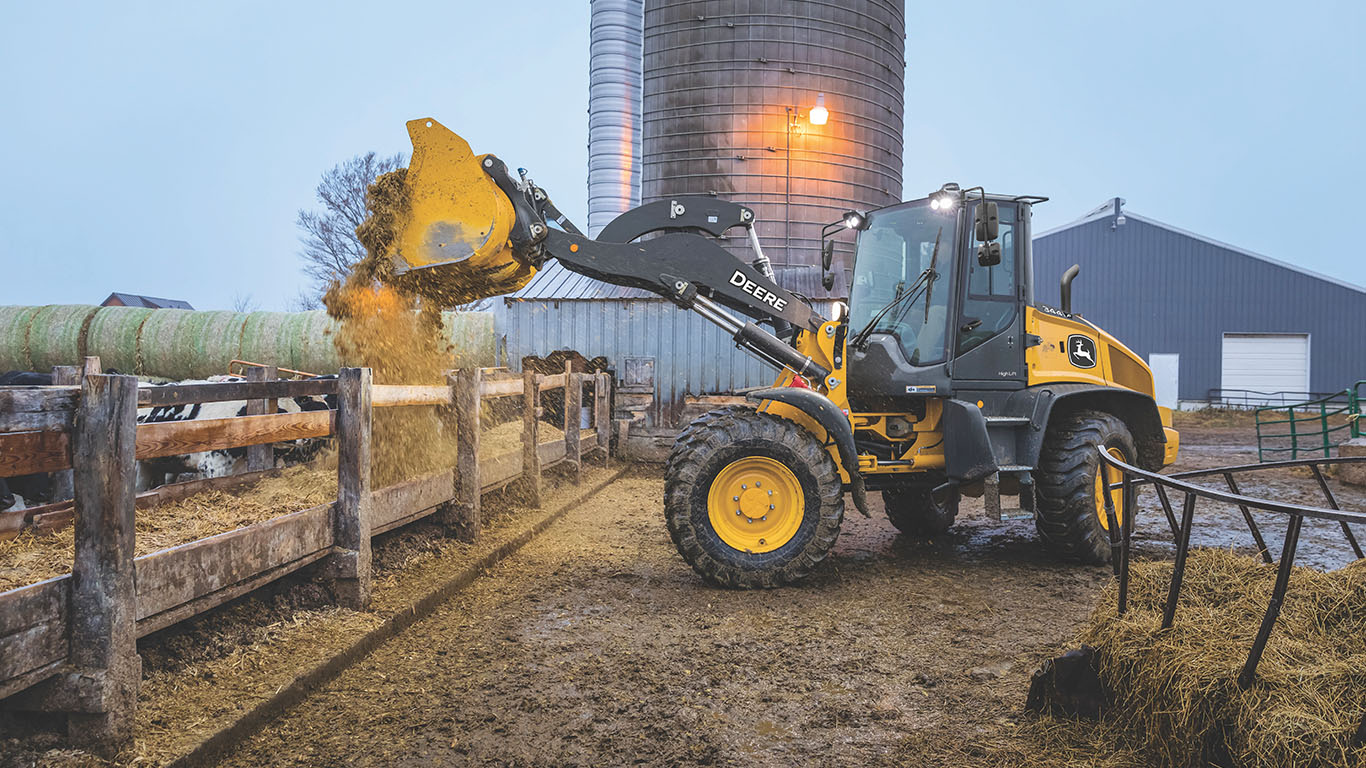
(402, 500)
(497, 471)
(215, 599)
(554, 381)
(103, 607)
(23, 453)
(173, 438)
(573, 407)
(602, 419)
(465, 512)
(350, 566)
(29, 399)
(551, 453)
(261, 456)
(64, 482)
(500, 387)
(33, 627)
(173, 577)
(392, 395)
(37, 421)
(176, 394)
(531, 461)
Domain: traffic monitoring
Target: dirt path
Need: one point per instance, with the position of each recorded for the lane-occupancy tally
(597, 645)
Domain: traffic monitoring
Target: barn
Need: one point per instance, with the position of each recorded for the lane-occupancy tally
(1214, 321)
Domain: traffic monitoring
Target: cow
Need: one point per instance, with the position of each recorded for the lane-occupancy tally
(231, 461)
(24, 491)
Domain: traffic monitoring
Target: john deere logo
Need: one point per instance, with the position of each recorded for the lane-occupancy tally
(1081, 351)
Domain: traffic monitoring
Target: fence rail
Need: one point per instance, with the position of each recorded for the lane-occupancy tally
(59, 635)
(1308, 427)
(1127, 478)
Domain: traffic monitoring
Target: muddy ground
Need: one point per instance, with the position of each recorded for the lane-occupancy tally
(596, 645)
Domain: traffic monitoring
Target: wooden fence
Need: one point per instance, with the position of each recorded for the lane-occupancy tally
(68, 644)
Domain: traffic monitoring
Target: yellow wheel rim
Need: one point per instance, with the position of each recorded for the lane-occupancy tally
(1104, 476)
(755, 504)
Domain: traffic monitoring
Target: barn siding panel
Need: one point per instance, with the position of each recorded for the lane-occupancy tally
(1163, 291)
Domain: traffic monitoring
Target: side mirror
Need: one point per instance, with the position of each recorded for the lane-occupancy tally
(989, 254)
(827, 254)
(828, 280)
(988, 223)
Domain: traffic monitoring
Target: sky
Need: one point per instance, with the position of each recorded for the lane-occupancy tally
(166, 148)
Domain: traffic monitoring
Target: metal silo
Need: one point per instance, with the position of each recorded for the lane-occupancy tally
(728, 90)
(613, 110)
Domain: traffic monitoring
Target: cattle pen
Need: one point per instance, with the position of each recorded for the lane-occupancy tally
(68, 644)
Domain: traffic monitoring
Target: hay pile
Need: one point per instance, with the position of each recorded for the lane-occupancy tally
(31, 558)
(1177, 690)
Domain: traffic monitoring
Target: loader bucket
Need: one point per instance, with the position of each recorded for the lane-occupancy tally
(455, 233)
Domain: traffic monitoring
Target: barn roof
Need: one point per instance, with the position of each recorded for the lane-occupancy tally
(555, 283)
(150, 302)
(1115, 206)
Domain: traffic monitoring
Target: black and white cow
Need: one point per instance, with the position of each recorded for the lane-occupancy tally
(26, 490)
(231, 461)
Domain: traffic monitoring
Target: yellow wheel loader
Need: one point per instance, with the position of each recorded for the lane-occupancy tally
(942, 376)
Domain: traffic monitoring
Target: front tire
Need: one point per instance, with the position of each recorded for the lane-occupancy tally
(1070, 511)
(918, 512)
(790, 499)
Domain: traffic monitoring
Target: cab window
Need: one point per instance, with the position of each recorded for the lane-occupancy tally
(989, 300)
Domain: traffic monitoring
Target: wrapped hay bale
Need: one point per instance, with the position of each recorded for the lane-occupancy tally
(1177, 689)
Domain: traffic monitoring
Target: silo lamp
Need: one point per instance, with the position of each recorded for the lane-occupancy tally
(819, 114)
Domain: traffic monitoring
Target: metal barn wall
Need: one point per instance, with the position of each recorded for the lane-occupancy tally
(1163, 291)
(718, 75)
(692, 356)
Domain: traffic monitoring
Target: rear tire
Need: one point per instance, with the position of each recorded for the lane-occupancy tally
(720, 448)
(918, 513)
(1067, 515)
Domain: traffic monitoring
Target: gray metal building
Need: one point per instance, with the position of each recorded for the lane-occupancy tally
(671, 353)
(1212, 319)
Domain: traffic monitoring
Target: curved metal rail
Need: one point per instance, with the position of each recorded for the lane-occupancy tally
(1128, 479)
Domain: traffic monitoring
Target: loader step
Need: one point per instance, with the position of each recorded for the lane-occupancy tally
(1015, 468)
(1007, 421)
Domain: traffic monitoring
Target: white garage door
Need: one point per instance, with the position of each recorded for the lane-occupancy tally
(1266, 363)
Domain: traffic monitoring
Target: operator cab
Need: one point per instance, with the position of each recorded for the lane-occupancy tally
(934, 311)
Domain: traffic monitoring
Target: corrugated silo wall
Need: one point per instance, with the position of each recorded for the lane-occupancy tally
(613, 110)
(718, 75)
(692, 356)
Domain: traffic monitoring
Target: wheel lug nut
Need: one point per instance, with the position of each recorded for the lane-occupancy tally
(737, 498)
(765, 517)
(772, 506)
(749, 519)
(770, 493)
(757, 483)
(737, 513)
(743, 486)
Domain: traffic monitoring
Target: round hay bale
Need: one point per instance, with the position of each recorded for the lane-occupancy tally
(56, 335)
(314, 349)
(157, 350)
(14, 325)
(261, 339)
(217, 341)
(113, 335)
(291, 340)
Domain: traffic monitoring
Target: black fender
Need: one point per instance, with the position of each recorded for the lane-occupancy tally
(1137, 410)
(968, 456)
(836, 425)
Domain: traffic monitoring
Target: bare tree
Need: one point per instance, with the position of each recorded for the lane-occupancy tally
(243, 302)
(328, 236)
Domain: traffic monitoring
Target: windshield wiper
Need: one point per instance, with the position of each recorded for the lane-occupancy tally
(929, 287)
(859, 339)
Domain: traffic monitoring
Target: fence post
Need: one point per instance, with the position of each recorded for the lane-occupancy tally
(531, 456)
(261, 457)
(602, 419)
(103, 619)
(349, 565)
(465, 520)
(63, 484)
(573, 405)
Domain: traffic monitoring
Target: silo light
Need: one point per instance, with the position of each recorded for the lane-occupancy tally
(819, 114)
